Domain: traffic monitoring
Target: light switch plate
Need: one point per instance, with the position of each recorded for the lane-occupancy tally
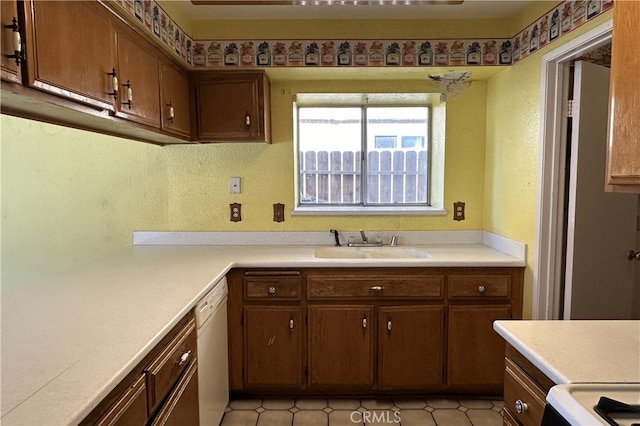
(234, 185)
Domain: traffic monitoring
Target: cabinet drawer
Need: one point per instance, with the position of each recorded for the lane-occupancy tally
(166, 368)
(272, 287)
(523, 398)
(396, 286)
(471, 286)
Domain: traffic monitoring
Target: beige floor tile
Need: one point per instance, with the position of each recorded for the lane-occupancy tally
(345, 418)
(416, 418)
(275, 418)
(498, 405)
(311, 404)
(484, 417)
(407, 403)
(449, 417)
(245, 404)
(278, 404)
(310, 418)
(476, 403)
(377, 404)
(443, 403)
(344, 404)
(240, 418)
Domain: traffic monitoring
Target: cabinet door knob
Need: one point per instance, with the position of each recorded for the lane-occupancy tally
(521, 406)
(364, 323)
(389, 325)
(272, 290)
(291, 324)
(185, 356)
(481, 288)
(247, 120)
(634, 255)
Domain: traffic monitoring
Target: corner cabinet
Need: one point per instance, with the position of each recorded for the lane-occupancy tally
(369, 331)
(231, 106)
(623, 154)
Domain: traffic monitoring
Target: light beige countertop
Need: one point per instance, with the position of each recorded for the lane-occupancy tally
(585, 351)
(67, 341)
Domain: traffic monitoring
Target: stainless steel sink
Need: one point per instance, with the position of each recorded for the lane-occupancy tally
(370, 253)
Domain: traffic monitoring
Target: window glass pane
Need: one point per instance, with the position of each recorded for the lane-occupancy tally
(385, 141)
(329, 144)
(398, 174)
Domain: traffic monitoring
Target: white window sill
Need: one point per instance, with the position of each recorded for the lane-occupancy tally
(368, 211)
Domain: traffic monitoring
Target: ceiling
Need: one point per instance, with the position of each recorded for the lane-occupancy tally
(351, 9)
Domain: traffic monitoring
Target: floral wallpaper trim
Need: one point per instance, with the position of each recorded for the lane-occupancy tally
(560, 20)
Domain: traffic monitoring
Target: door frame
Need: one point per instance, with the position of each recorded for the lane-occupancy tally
(551, 174)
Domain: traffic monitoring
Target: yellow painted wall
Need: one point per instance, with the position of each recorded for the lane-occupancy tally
(512, 151)
(198, 176)
(69, 196)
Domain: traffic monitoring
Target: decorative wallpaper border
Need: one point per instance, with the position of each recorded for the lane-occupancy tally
(215, 54)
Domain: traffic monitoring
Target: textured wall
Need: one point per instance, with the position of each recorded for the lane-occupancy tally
(70, 195)
(198, 176)
(513, 133)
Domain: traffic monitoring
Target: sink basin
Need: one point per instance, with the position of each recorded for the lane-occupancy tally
(370, 253)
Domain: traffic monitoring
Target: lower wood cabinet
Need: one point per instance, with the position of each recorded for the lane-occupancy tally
(368, 331)
(410, 342)
(525, 390)
(273, 345)
(341, 351)
(160, 390)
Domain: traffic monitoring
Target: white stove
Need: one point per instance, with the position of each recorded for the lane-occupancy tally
(581, 404)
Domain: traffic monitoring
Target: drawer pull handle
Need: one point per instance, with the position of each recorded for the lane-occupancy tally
(376, 288)
(481, 289)
(185, 356)
(521, 406)
(272, 290)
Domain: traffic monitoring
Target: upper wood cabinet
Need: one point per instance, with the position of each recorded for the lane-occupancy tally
(71, 50)
(10, 38)
(139, 80)
(231, 106)
(623, 154)
(174, 100)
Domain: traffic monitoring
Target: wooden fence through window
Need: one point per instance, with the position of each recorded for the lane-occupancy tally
(393, 177)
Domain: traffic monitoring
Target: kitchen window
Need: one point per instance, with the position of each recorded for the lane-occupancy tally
(365, 154)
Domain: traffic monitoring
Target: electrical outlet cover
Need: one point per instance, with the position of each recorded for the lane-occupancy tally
(235, 212)
(458, 210)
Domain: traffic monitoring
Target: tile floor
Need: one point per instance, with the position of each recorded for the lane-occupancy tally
(363, 412)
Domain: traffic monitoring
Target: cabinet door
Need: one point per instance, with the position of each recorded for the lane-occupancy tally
(232, 107)
(174, 100)
(410, 342)
(475, 350)
(273, 345)
(139, 95)
(79, 67)
(623, 159)
(341, 345)
(9, 68)
(181, 407)
(130, 409)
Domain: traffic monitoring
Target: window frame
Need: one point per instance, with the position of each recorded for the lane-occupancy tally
(362, 101)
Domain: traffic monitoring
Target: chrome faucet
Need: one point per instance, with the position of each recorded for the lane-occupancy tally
(365, 241)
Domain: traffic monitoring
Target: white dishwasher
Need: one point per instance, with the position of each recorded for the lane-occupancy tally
(213, 361)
